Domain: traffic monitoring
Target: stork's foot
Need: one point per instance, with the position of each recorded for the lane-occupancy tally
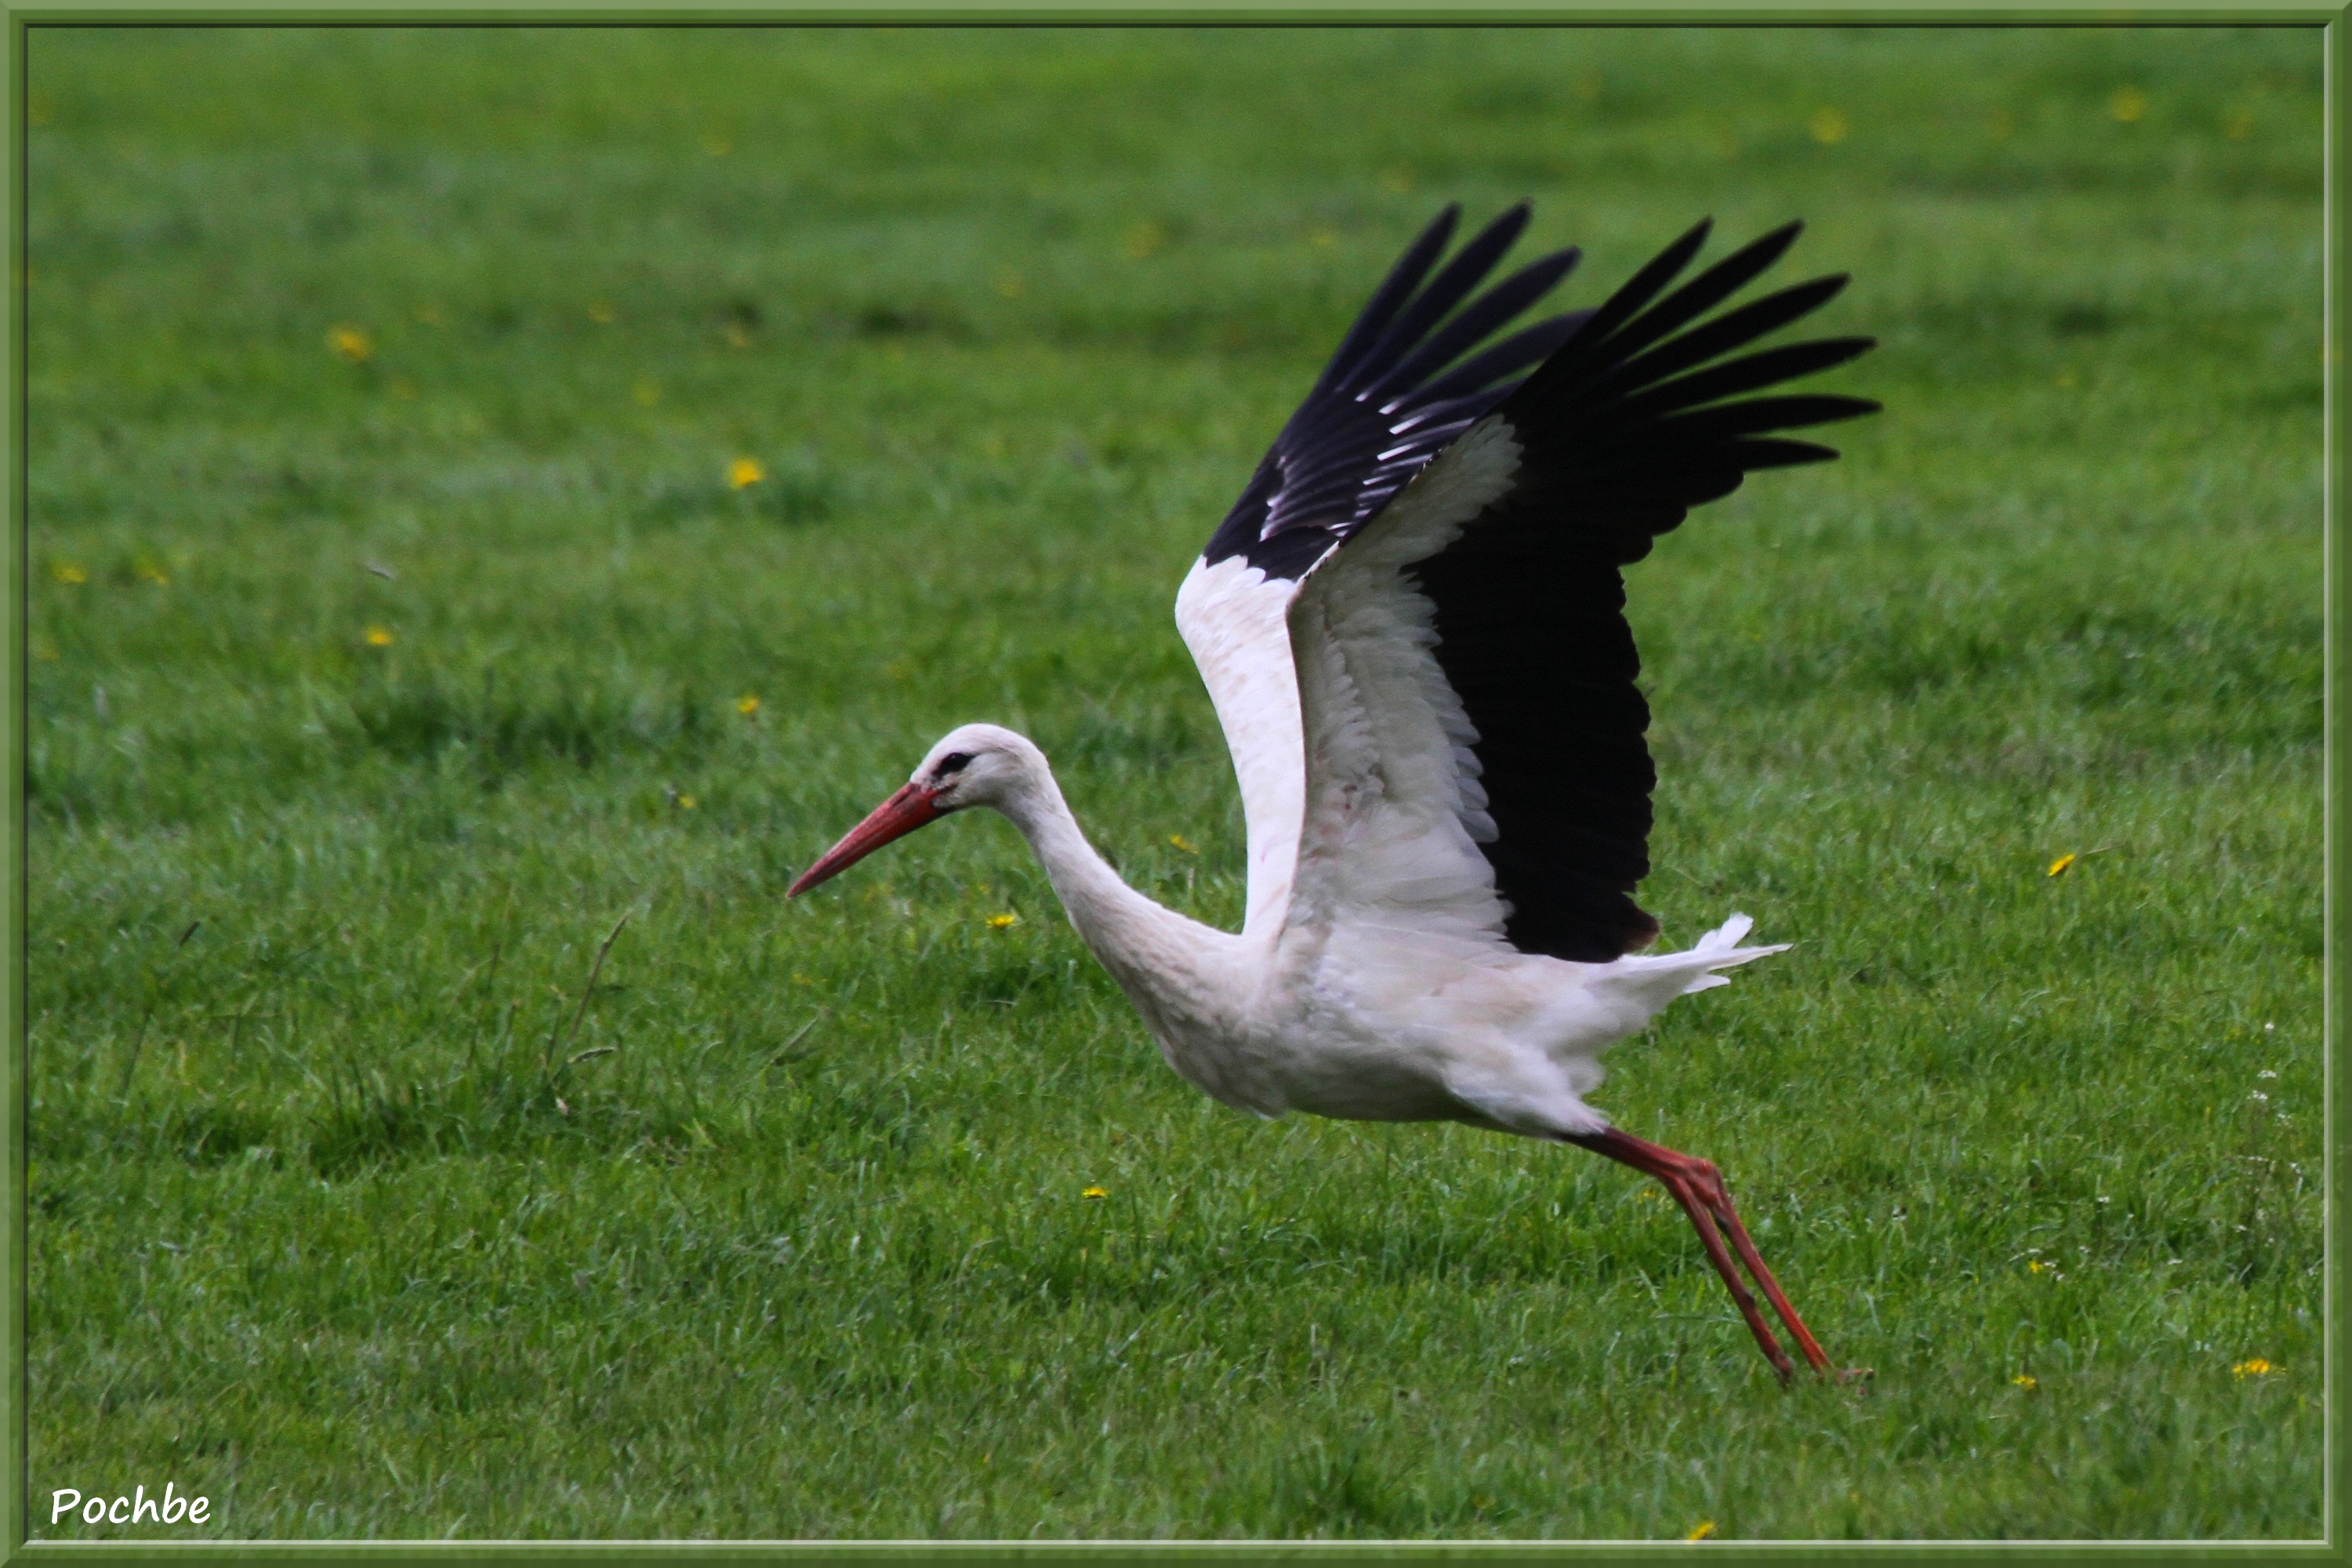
(1698, 1187)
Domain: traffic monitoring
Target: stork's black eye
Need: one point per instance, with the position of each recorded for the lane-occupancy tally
(954, 763)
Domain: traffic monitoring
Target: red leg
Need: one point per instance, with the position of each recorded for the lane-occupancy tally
(1713, 1241)
(1698, 1186)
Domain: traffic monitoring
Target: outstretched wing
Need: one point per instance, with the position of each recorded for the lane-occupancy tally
(1393, 396)
(1409, 376)
(1473, 739)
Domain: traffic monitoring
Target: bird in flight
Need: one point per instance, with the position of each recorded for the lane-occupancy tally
(1413, 628)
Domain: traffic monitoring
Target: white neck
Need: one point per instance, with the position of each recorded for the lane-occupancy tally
(1161, 959)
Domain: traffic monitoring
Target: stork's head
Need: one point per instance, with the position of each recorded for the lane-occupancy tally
(979, 764)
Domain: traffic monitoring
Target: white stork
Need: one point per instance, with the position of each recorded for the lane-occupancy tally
(1413, 628)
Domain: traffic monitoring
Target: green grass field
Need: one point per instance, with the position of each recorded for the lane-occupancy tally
(394, 619)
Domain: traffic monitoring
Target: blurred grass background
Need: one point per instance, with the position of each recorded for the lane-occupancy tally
(404, 615)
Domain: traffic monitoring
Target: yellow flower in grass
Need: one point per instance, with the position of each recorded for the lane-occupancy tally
(744, 472)
(2257, 1367)
(1179, 841)
(747, 704)
(73, 572)
(1701, 1531)
(2027, 1381)
(354, 343)
(2058, 867)
(379, 636)
(1096, 1192)
(999, 922)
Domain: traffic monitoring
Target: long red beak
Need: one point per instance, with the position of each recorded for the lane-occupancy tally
(894, 818)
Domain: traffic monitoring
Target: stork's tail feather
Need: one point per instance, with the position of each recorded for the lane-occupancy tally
(1727, 934)
(1659, 978)
(1720, 948)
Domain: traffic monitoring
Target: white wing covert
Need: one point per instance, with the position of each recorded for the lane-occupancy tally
(1233, 619)
(1394, 810)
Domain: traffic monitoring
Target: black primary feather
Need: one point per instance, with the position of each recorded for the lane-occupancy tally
(1630, 417)
(1621, 432)
(1381, 409)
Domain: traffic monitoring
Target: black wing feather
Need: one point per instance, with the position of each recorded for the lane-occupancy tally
(1702, 293)
(1390, 298)
(1617, 444)
(1491, 310)
(1387, 403)
(1624, 425)
(1449, 288)
(1515, 353)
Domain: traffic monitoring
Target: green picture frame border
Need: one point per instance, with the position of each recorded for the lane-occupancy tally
(13, 569)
